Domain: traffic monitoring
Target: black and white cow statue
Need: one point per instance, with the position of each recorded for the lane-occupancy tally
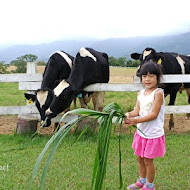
(90, 66)
(58, 68)
(172, 63)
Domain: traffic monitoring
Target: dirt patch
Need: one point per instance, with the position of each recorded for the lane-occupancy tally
(11, 68)
(8, 125)
(40, 69)
(121, 79)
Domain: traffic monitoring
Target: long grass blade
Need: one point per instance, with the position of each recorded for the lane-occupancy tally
(115, 125)
(120, 172)
(56, 144)
(104, 135)
(104, 153)
(96, 163)
(87, 126)
(96, 171)
(48, 144)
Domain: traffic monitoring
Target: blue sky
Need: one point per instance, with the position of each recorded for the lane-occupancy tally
(38, 21)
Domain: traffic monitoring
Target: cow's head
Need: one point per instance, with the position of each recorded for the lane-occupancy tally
(42, 99)
(147, 55)
(62, 99)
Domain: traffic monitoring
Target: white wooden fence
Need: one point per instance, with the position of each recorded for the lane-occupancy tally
(31, 81)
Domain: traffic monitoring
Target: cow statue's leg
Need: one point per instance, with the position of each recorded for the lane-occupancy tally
(98, 100)
(171, 103)
(188, 100)
(85, 100)
(75, 103)
(171, 122)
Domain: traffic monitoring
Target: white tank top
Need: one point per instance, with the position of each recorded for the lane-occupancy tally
(155, 128)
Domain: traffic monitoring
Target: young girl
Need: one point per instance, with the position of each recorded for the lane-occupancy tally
(148, 114)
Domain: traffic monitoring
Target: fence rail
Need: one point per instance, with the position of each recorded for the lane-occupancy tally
(21, 77)
(31, 81)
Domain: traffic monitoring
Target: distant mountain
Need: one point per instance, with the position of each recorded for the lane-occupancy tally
(116, 47)
(43, 51)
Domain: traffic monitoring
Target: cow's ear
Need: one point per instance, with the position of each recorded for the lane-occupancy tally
(30, 96)
(135, 56)
(160, 59)
(105, 55)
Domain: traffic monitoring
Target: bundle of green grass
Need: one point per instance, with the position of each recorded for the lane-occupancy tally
(105, 129)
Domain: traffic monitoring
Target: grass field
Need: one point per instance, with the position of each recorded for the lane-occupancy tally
(11, 96)
(72, 165)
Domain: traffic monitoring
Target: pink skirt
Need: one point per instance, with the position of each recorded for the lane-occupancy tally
(149, 148)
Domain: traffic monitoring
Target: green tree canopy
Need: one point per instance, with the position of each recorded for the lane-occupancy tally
(20, 62)
(123, 62)
(28, 58)
(134, 63)
(3, 68)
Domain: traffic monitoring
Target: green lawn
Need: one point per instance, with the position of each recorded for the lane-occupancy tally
(72, 165)
(11, 96)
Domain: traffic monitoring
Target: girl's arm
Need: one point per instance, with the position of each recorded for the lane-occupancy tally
(155, 110)
(135, 112)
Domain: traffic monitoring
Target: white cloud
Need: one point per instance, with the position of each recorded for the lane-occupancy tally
(48, 20)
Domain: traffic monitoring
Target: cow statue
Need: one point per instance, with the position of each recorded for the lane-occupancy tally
(90, 66)
(58, 67)
(172, 63)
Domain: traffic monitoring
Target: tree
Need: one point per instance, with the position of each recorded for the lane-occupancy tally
(13, 62)
(113, 61)
(20, 63)
(28, 58)
(21, 66)
(134, 63)
(3, 68)
(122, 61)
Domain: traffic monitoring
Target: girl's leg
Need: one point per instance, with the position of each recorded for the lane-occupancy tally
(142, 167)
(149, 163)
(142, 172)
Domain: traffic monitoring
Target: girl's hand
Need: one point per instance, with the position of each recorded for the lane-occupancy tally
(131, 121)
(127, 115)
(126, 121)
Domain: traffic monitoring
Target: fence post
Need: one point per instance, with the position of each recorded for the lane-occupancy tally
(31, 68)
(27, 123)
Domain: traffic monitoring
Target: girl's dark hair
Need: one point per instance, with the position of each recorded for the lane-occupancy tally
(152, 68)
